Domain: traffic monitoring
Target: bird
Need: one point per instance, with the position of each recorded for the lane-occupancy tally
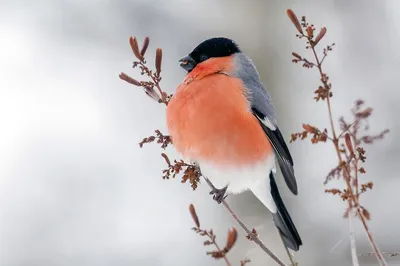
(222, 119)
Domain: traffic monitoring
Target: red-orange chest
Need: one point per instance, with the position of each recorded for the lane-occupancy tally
(209, 120)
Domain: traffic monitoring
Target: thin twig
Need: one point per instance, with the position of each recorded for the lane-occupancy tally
(156, 82)
(346, 172)
(254, 237)
(212, 239)
(347, 128)
(292, 260)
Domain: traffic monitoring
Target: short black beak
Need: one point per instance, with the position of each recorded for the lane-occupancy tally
(187, 63)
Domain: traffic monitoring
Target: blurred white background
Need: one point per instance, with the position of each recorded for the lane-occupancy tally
(76, 189)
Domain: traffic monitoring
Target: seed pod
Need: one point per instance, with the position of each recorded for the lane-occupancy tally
(231, 240)
(294, 20)
(146, 43)
(320, 35)
(129, 79)
(366, 214)
(348, 143)
(158, 59)
(194, 215)
(296, 55)
(135, 48)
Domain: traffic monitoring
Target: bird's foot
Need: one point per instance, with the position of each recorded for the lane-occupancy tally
(219, 194)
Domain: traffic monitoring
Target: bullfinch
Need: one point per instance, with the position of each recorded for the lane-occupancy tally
(223, 119)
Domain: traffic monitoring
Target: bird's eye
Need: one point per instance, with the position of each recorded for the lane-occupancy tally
(203, 57)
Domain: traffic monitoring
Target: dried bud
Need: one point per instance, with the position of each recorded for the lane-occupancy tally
(349, 144)
(216, 254)
(294, 20)
(158, 59)
(166, 158)
(366, 214)
(146, 140)
(194, 215)
(146, 43)
(129, 79)
(231, 240)
(297, 56)
(310, 32)
(135, 48)
(320, 36)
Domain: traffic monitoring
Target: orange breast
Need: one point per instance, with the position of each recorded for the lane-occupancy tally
(209, 119)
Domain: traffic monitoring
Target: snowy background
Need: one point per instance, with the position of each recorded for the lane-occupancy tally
(76, 189)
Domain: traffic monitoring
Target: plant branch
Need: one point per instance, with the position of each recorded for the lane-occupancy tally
(218, 248)
(306, 31)
(219, 253)
(253, 236)
(346, 171)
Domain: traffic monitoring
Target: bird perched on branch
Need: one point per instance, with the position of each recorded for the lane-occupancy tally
(222, 118)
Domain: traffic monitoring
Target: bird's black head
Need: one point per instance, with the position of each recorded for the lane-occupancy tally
(214, 47)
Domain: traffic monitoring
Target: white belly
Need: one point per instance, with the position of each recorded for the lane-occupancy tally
(241, 178)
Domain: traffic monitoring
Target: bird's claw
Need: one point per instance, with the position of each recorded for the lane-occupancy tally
(219, 194)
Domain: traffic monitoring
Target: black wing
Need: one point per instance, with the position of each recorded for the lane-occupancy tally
(281, 150)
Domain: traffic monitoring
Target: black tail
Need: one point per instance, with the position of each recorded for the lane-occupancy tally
(283, 221)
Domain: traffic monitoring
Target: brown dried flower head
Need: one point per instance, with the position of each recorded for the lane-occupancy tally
(366, 186)
(217, 254)
(164, 140)
(317, 135)
(322, 93)
(334, 191)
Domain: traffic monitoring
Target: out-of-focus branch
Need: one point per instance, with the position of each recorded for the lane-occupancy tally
(346, 172)
(389, 254)
(348, 154)
(353, 241)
